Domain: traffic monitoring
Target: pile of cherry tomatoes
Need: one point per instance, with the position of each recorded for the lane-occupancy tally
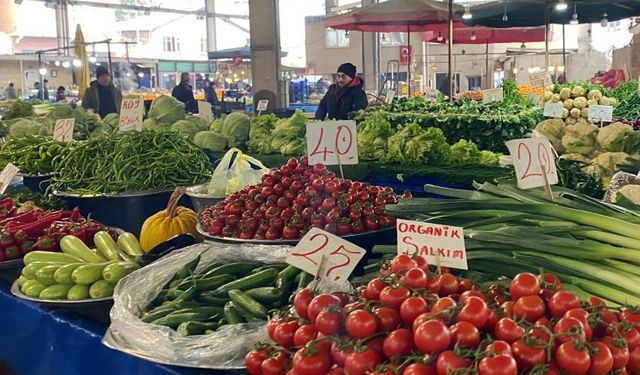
(413, 320)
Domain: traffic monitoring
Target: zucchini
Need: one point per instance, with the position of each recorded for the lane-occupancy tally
(253, 307)
(116, 271)
(234, 269)
(88, 273)
(263, 278)
(63, 273)
(231, 314)
(129, 244)
(22, 280)
(78, 292)
(101, 289)
(29, 271)
(72, 245)
(55, 292)
(28, 283)
(33, 288)
(45, 274)
(290, 272)
(50, 257)
(106, 246)
(211, 283)
(267, 295)
(195, 328)
(174, 320)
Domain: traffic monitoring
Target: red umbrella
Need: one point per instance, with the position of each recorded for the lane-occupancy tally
(481, 35)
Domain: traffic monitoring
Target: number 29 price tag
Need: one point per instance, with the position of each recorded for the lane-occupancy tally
(531, 158)
(340, 256)
(63, 130)
(332, 142)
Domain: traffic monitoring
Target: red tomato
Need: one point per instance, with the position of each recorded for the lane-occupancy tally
(448, 285)
(359, 362)
(474, 311)
(507, 308)
(465, 334)
(375, 343)
(530, 308)
(562, 302)
(492, 319)
(402, 262)
(569, 329)
(301, 302)
(315, 362)
(528, 356)
(632, 317)
(449, 361)
(411, 308)
(339, 352)
(374, 287)
(508, 330)
(432, 336)
(583, 316)
(304, 334)
(443, 304)
(415, 278)
(470, 293)
(524, 284)
(361, 324)
(253, 362)
(601, 359)
(271, 326)
(421, 262)
(283, 334)
(329, 320)
(320, 302)
(502, 364)
(393, 296)
(633, 365)
(388, 318)
(275, 365)
(632, 337)
(419, 369)
(572, 360)
(498, 347)
(398, 343)
(619, 351)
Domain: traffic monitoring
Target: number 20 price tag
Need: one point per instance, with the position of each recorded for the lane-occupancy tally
(531, 158)
(332, 142)
(341, 256)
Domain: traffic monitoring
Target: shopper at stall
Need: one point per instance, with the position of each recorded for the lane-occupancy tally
(102, 96)
(344, 96)
(60, 96)
(10, 92)
(184, 93)
(45, 90)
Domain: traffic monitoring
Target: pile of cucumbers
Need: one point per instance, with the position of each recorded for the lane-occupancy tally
(196, 303)
(79, 273)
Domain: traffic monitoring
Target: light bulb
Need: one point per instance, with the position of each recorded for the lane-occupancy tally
(574, 20)
(531, 70)
(467, 13)
(440, 37)
(98, 64)
(505, 18)
(42, 71)
(56, 63)
(77, 63)
(604, 22)
(561, 6)
(66, 64)
(141, 75)
(515, 70)
(523, 46)
(128, 74)
(92, 59)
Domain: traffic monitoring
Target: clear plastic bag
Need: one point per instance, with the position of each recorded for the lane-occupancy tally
(619, 180)
(233, 174)
(223, 349)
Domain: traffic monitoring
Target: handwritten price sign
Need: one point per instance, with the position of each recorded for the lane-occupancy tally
(553, 109)
(341, 256)
(332, 142)
(6, 176)
(540, 79)
(492, 95)
(439, 244)
(63, 130)
(600, 113)
(262, 105)
(131, 112)
(204, 111)
(531, 158)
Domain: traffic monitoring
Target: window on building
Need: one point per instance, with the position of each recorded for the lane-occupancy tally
(474, 82)
(336, 38)
(170, 44)
(143, 36)
(129, 36)
(393, 39)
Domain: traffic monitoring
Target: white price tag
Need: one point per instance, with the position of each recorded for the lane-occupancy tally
(439, 244)
(6, 176)
(341, 256)
(492, 95)
(388, 99)
(262, 105)
(532, 156)
(63, 130)
(600, 113)
(204, 111)
(553, 109)
(535, 99)
(540, 79)
(332, 142)
(131, 113)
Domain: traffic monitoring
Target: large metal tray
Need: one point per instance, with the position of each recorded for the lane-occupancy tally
(15, 290)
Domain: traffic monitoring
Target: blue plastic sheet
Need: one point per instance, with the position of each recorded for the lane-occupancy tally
(36, 340)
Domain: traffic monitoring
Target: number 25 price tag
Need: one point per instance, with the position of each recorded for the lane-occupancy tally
(63, 130)
(341, 256)
(531, 158)
(332, 142)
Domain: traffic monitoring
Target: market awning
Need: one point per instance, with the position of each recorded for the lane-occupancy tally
(463, 34)
(393, 16)
(233, 53)
(531, 13)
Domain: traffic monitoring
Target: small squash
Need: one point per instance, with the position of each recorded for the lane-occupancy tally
(168, 223)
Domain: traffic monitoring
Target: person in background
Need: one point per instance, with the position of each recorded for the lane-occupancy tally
(102, 96)
(45, 90)
(344, 96)
(60, 94)
(184, 93)
(11, 93)
(39, 93)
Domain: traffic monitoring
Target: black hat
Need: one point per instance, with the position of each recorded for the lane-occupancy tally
(100, 71)
(348, 69)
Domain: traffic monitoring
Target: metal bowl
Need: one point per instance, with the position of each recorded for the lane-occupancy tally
(15, 290)
(199, 197)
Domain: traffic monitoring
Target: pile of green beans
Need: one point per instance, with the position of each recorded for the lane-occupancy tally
(131, 161)
(33, 154)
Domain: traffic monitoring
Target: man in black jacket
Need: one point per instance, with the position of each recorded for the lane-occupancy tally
(184, 93)
(344, 96)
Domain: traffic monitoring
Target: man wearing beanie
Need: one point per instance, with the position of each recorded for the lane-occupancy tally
(102, 96)
(344, 96)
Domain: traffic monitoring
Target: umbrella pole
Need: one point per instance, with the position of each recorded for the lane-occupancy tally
(487, 64)
(564, 53)
(409, 61)
(547, 16)
(450, 53)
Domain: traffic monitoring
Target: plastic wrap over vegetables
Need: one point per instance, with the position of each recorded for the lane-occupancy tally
(222, 349)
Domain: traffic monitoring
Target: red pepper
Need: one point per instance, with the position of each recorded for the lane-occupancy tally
(76, 215)
(92, 226)
(23, 218)
(12, 252)
(5, 239)
(45, 243)
(7, 212)
(79, 231)
(6, 202)
(26, 247)
(20, 236)
(40, 225)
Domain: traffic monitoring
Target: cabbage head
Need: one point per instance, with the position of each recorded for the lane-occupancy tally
(609, 161)
(372, 134)
(236, 128)
(210, 140)
(580, 138)
(554, 130)
(187, 129)
(167, 109)
(24, 126)
(199, 121)
(611, 137)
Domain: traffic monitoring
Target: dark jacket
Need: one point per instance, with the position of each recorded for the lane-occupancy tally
(184, 93)
(337, 104)
(91, 97)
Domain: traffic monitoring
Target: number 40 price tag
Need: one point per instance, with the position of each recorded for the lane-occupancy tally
(332, 142)
(340, 256)
(531, 158)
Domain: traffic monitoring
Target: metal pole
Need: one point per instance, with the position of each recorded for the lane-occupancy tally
(41, 78)
(450, 44)
(109, 56)
(564, 54)
(547, 31)
(409, 61)
(487, 85)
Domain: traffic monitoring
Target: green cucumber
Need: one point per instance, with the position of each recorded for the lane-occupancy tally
(211, 283)
(209, 267)
(129, 244)
(254, 307)
(72, 245)
(234, 269)
(195, 328)
(106, 246)
(88, 273)
(50, 257)
(305, 279)
(55, 292)
(78, 292)
(33, 288)
(101, 289)
(246, 315)
(212, 300)
(174, 320)
(263, 278)
(45, 274)
(267, 295)
(289, 273)
(185, 272)
(164, 310)
(116, 271)
(63, 273)
(209, 311)
(231, 314)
